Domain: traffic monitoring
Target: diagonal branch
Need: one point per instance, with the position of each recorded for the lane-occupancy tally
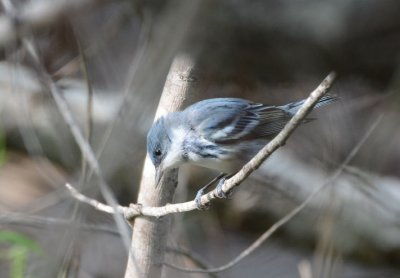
(135, 210)
(292, 213)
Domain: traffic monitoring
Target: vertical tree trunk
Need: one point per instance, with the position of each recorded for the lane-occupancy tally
(149, 234)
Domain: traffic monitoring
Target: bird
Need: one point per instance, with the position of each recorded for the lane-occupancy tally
(218, 133)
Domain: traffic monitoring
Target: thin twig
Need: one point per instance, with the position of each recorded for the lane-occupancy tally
(83, 145)
(137, 209)
(13, 218)
(89, 103)
(370, 190)
(89, 118)
(196, 258)
(96, 204)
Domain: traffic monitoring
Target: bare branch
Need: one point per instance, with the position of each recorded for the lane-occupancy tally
(193, 256)
(283, 220)
(97, 205)
(292, 213)
(89, 103)
(41, 222)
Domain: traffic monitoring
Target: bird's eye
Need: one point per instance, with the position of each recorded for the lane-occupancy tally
(157, 152)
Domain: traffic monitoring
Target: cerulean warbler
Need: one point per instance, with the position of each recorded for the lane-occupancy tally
(219, 133)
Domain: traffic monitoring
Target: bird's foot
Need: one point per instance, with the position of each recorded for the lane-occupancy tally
(197, 200)
(201, 192)
(220, 192)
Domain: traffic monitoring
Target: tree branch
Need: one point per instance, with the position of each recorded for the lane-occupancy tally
(194, 257)
(43, 222)
(292, 213)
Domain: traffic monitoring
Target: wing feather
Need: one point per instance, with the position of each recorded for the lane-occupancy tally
(229, 120)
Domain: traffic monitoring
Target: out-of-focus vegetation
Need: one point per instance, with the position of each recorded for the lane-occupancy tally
(267, 51)
(19, 247)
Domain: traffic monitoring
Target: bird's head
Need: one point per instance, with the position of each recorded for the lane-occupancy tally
(158, 145)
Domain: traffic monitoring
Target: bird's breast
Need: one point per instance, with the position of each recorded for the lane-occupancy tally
(224, 158)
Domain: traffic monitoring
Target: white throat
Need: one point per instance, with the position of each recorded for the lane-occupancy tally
(174, 157)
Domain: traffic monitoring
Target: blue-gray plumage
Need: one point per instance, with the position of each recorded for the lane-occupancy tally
(220, 133)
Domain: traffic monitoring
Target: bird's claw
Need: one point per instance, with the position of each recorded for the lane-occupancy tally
(220, 192)
(197, 200)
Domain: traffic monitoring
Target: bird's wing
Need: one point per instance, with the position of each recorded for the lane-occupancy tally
(229, 119)
(272, 120)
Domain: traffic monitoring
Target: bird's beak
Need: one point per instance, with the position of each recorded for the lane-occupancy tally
(159, 174)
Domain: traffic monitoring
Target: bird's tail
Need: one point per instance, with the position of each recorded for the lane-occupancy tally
(293, 107)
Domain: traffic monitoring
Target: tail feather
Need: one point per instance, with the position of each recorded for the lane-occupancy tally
(325, 100)
(293, 107)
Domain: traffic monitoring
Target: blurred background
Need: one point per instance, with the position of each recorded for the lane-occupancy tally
(109, 61)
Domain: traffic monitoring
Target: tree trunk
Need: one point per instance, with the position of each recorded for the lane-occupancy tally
(149, 234)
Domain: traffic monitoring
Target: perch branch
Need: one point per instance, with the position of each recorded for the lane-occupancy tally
(292, 213)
